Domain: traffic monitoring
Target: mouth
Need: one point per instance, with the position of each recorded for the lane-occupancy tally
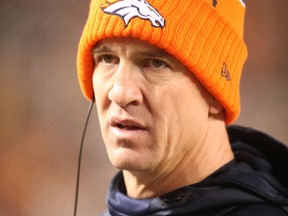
(127, 132)
(127, 126)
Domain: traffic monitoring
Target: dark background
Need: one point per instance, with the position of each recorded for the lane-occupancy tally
(42, 108)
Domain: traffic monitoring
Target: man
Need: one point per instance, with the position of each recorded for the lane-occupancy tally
(165, 76)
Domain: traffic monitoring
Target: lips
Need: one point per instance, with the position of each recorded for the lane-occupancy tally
(126, 124)
(127, 127)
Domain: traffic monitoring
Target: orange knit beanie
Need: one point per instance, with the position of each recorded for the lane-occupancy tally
(205, 35)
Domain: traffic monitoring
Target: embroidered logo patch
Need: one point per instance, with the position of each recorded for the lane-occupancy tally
(225, 73)
(129, 9)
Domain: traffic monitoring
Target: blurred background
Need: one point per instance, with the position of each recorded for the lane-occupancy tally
(42, 110)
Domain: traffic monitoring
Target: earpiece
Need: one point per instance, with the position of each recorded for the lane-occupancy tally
(80, 154)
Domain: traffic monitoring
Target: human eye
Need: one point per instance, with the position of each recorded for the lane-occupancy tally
(107, 59)
(156, 64)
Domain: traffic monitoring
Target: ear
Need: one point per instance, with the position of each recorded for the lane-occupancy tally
(215, 107)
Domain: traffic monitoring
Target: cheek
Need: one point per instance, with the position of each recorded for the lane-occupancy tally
(101, 102)
(188, 117)
(167, 120)
(101, 90)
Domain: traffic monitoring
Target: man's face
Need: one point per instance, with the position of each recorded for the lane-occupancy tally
(152, 111)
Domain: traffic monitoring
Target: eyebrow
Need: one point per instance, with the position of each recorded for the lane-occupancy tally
(157, 54)
(101, 49)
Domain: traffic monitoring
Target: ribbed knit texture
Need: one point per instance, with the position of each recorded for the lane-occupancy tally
(204, 38)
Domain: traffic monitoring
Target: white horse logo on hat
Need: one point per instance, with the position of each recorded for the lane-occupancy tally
(129, 9)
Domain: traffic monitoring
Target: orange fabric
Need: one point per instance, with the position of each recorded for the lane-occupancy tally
(207, 39)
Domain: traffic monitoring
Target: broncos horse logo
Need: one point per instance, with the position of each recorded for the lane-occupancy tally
(129, 9)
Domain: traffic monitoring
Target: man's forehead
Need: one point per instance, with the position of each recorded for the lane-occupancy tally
(135, 46)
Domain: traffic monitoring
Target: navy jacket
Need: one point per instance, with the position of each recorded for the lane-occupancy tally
(254, 183)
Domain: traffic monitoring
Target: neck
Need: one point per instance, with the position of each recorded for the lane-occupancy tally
(195, 166)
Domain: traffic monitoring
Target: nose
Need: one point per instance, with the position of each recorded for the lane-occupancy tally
(126, 89)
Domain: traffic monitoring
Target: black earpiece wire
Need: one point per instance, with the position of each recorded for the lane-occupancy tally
(80, 155)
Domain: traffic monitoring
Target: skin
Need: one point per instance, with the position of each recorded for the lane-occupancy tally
(159, 124)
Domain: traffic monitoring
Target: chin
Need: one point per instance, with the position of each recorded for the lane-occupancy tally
(129, 166)
(130, 161)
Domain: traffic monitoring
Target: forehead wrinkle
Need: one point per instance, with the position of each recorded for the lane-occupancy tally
(150, 53)
(139, 50)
